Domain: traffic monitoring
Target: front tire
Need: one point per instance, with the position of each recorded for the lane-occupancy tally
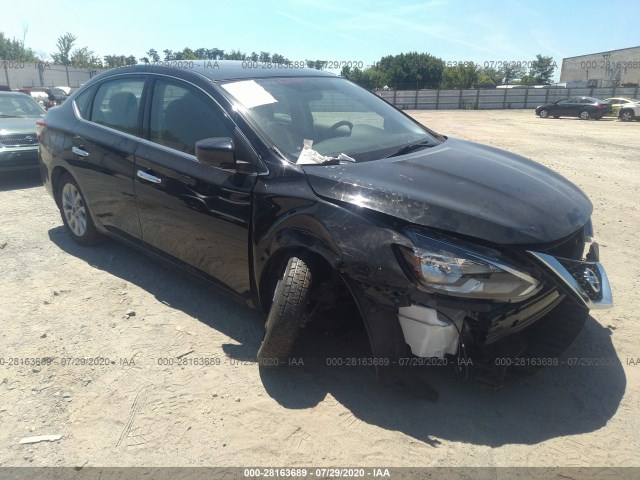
(285, 316)
(544, 113)
(75, 213)
(627, 115)
(584, 115)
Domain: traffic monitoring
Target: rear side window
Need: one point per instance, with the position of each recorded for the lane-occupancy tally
(83, 102)
(117, 105)
(180, 116)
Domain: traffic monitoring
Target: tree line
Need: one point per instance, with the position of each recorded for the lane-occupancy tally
(405, 70)
(422, 70)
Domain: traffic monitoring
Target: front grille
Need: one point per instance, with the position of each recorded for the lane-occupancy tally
(18, 140)
(508, 319)
(587, 276)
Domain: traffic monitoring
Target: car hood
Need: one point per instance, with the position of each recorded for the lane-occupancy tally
(17, 125)
(462, 187)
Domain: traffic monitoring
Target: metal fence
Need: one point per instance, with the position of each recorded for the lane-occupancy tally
(19, 74)
(495, 98)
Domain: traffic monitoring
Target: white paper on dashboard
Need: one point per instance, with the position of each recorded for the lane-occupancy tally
(249, 93)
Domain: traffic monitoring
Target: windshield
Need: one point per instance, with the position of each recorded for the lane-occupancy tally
(328, 114)
(19, 106)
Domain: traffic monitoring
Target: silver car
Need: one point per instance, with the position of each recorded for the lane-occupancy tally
(18, 140)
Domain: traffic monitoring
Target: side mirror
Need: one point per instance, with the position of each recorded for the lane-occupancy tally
(216, 152)
(220, 152)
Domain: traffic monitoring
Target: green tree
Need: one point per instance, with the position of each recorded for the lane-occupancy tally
(369, 78)
(12, 49)
(113, 61)
(460, 76)
(542, 69)
(235, 55)
(420, 69)
(65, 44)
(511, 73)
(265, 57)
(153, 54)
(317, 64)
(187, 54)
(85, 58)
(489, 77)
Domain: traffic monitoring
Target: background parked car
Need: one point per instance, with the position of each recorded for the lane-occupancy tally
(55, 96)
(39, 96)
(630, 111)
(18, 140)
(618, 102)
(581, 107)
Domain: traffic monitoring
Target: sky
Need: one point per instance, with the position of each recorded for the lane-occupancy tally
(333, 30)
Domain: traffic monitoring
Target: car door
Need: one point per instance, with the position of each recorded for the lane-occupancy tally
(561, 107)
(196, 213)
(571, 107)
(102, 153)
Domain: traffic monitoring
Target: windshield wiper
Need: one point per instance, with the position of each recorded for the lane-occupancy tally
(9, 116)
(407, 148)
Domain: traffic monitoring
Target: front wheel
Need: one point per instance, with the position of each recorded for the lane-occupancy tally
(75, 214)
(584, 115)
(627, 115)
(285, 316)
(543, 113)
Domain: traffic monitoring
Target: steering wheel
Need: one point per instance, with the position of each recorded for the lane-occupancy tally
(333, 128)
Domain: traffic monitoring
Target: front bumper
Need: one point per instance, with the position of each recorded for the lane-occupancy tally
(14, 159)
(431, 335)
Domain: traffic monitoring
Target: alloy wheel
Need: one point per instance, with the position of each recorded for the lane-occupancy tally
(74, 209)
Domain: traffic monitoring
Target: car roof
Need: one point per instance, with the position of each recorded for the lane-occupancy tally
(224, 70)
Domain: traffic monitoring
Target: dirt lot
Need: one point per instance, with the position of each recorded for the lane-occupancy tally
(60, 300)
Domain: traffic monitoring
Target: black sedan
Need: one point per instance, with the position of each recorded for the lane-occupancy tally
(581, 107)
(303, 194)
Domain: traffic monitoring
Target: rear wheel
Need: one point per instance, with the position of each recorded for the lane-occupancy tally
(75, 214)
(543, 113)
(627, 115)
(285, 316)
(584, 115)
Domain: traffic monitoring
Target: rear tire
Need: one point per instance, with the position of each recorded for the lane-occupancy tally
(285, 316)
(584, 115)
(75, 213)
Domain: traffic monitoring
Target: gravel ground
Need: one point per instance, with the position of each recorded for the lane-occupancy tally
(137, 409)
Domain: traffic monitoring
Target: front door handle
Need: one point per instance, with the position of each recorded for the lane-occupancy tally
(148, 177)
(80, 151)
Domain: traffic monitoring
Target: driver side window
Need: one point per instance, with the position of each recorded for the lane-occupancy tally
(180, 116)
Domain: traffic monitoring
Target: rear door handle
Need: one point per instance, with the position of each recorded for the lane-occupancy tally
(148, 177)
(80, 151)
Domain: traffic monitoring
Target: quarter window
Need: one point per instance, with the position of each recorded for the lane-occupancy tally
(181, 116)
(117, 105)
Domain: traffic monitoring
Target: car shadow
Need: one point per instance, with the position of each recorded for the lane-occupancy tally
(555, 402)
(19, 180)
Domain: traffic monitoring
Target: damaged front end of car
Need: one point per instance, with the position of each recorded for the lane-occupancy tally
(492, 311)
(480, 303)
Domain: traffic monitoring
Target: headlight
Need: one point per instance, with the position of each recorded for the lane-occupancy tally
(444, 268)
